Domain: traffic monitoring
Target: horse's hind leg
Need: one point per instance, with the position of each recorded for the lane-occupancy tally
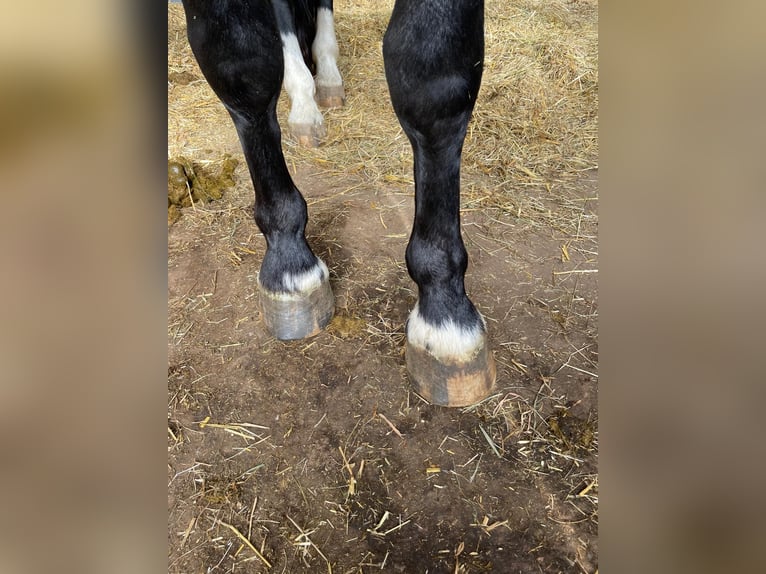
(305, 121)
(329, 84)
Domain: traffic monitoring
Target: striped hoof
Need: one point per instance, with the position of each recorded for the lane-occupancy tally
(330, 96)
(308, 135)
(297, 315)
(449, 383)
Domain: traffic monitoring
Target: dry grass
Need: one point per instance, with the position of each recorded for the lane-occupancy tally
(535, 122)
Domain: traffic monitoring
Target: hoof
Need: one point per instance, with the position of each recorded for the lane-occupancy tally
(308, 135)
(291, 316)
(330, 96)
(451, 384)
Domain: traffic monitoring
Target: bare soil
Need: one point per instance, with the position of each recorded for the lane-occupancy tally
(439, 496)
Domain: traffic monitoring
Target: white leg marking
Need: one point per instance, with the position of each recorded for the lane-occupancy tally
(299, 85)
(325, 50)
(448, 342)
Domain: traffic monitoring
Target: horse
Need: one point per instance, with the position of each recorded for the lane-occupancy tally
(433, 53)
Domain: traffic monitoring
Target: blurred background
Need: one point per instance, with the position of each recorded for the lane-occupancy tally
(82, 294)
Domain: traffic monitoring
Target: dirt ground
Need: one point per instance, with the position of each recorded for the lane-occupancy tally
(315, 455)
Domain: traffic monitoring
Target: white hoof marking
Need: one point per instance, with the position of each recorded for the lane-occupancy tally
(447, 342)
(299, 285)
(308, 280)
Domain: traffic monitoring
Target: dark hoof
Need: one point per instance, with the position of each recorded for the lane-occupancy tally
(451, 384)
(308, 135)
(330, 96)
(291, 316)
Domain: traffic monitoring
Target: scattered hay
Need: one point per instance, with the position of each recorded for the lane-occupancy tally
(535, 125)
(546, 438)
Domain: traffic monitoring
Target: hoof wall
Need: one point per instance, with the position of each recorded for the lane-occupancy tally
(451, 384)
(308, 135)
(330, 96)
(290, 316)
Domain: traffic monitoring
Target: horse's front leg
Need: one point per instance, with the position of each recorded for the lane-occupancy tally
(433, 58)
